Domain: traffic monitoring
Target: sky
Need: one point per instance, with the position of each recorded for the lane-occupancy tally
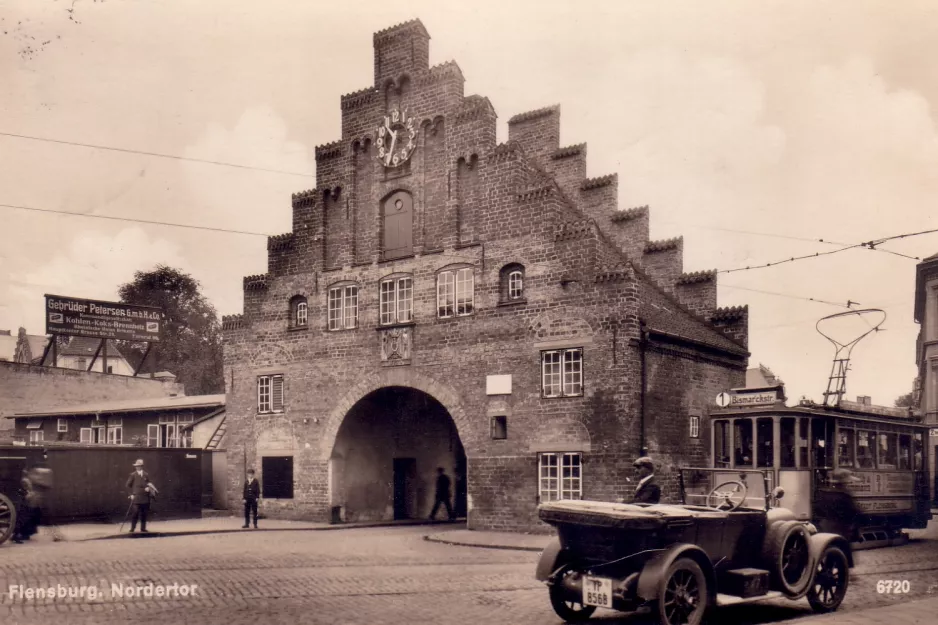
(753, 130)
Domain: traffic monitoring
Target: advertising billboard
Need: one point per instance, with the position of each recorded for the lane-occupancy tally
(70, 316)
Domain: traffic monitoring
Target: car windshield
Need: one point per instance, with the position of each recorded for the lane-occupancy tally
(712, 487)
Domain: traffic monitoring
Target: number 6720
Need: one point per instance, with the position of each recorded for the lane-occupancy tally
(893, 586)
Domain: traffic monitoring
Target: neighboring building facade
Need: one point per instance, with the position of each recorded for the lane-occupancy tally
(444, 301)
(762, 377)
(79, 352)
(22, 347)
(925, 395)
(158, 422)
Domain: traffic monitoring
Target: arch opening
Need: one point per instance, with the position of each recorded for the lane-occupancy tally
(387, 450)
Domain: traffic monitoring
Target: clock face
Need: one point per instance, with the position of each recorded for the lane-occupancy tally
(395, 138)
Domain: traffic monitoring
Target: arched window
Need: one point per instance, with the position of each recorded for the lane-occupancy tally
(299, 312)
(512, 283)
(397, 221)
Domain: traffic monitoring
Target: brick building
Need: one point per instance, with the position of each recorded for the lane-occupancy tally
(925, 395)
(444, 300)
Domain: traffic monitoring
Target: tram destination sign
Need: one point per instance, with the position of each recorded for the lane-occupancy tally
(742, 399)
(69, 316)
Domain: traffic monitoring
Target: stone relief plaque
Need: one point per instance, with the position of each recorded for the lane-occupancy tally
(396, 345)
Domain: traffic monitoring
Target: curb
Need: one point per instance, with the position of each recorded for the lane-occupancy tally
(325, 528)
(433, 538)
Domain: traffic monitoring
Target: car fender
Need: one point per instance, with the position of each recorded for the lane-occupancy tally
(549, 561)
(657, 566)
(817, 543)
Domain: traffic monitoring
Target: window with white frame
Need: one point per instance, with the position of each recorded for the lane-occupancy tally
(115, 431)
(694, 426)
(343, 307)
(515, 284)
(302, 314)
(85, 435)
(35, 436)
(270, 393)
(61, 425)
(562, 372)
(455, 293)
(560, 476)
(397, 300)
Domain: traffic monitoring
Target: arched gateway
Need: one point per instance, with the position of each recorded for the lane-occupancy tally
(386, 446)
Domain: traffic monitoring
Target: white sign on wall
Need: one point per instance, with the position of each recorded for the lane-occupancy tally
(498, 385)
(736, 400)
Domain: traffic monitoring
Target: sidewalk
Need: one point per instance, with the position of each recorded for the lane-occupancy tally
(212, 525)
(491, 540)
(915, 612)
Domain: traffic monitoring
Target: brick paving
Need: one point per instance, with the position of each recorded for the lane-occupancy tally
(376, 576)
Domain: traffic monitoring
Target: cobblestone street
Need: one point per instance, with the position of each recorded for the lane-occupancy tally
(381, 575)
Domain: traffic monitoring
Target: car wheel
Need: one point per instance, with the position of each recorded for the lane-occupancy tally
(7, 518)
(682, 594)
(569, 611)
(788, 557)
(829, 585)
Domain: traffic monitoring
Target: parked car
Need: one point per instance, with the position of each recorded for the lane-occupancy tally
(681, 560)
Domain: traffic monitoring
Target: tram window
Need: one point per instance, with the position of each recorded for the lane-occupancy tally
(866, 449)
(743, 435)
(721, 443)
(905, 452)
(822, 435)
(846, 448)
(803, 443)
(787, 443)
(765, 440)
(888, 452)
(917, 448)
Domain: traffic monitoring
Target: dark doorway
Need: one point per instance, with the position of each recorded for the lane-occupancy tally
(405, 477)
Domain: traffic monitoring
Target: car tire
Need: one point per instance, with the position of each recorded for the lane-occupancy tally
(683, 596)
(787, 556)
(830, 580)
(569, 611)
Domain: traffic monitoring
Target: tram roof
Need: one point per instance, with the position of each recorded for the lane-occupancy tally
(815, 411)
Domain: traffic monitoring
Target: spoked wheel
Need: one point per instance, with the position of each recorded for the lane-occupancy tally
(7, 518)
(830, 581)
(570, 611)
(682, 595)
(786, 547)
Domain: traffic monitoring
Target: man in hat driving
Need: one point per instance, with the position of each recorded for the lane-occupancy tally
(141, 489)
(647, 490)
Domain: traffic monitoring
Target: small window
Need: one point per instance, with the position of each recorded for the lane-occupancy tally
(110, 369)
(694, 426)
(846, 448)
(499, 428)
(787, 443)
(765, 452)
(153, 435)
(343, 307)
(86, 436)
(866, 449)
(61, 425)
(511, 279)
(905, 452)
(270, 393)
(803, 443)
(560, 476)
(115, 435)
(743, 456)
(35, 436)
(396, 300)
(299, 312)
(888, 450)
(277, 476)
(455, 293)
(562, 372)
(721, 443)
(515, 285)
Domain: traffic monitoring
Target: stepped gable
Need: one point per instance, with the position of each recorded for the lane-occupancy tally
(410, 26)
(535, 114)
(663, 245)
(280, 242)
(695, 277)
(474, 106)
(629, 214)
(568, 151)
(232, 322)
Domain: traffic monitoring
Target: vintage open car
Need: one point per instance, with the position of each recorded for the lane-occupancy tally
(735, 546)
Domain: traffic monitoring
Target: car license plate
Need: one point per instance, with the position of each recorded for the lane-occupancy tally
(597, 591)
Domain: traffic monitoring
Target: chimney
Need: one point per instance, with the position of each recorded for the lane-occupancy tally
(865, 400)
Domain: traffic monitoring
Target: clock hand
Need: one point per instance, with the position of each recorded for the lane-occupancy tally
(391, 150)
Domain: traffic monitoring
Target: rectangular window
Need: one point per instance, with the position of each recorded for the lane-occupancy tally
(465, 299)
(765, 439)
(917, 449)
(787, 443)
(115, 435)
(905, 452)
(302, 314)
(343, 307)
(270, 393)
(803, 443)
(515, 284)
(694, 426)
(85, 435)
(888, 450)
(562, 372)
(721, 443)
(846, 448)
(61, 425)
(742, 434)
(153, 435)
(559, 476)
(455, 293)
(35, 436)
(445, 295)
(866, 449)
(277, 477)
(396, 301)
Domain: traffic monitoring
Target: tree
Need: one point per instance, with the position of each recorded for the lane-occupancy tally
(190, 343)
(904, 401)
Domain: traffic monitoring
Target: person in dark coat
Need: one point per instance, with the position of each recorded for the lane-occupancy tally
(442, 494)
(837, 511)
(141, 490)
(252, 492)
(647, 490)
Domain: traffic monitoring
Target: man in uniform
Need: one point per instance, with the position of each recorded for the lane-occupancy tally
(647, 490)
(252, 492)
(442, 494)
(140, 490)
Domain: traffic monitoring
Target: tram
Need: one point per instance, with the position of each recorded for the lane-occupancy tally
(801, 446)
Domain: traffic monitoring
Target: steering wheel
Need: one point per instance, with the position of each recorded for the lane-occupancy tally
(725, 499)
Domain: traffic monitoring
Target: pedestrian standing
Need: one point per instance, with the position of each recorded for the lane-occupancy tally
(252, 493)
(442, 494)
(141, 491)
